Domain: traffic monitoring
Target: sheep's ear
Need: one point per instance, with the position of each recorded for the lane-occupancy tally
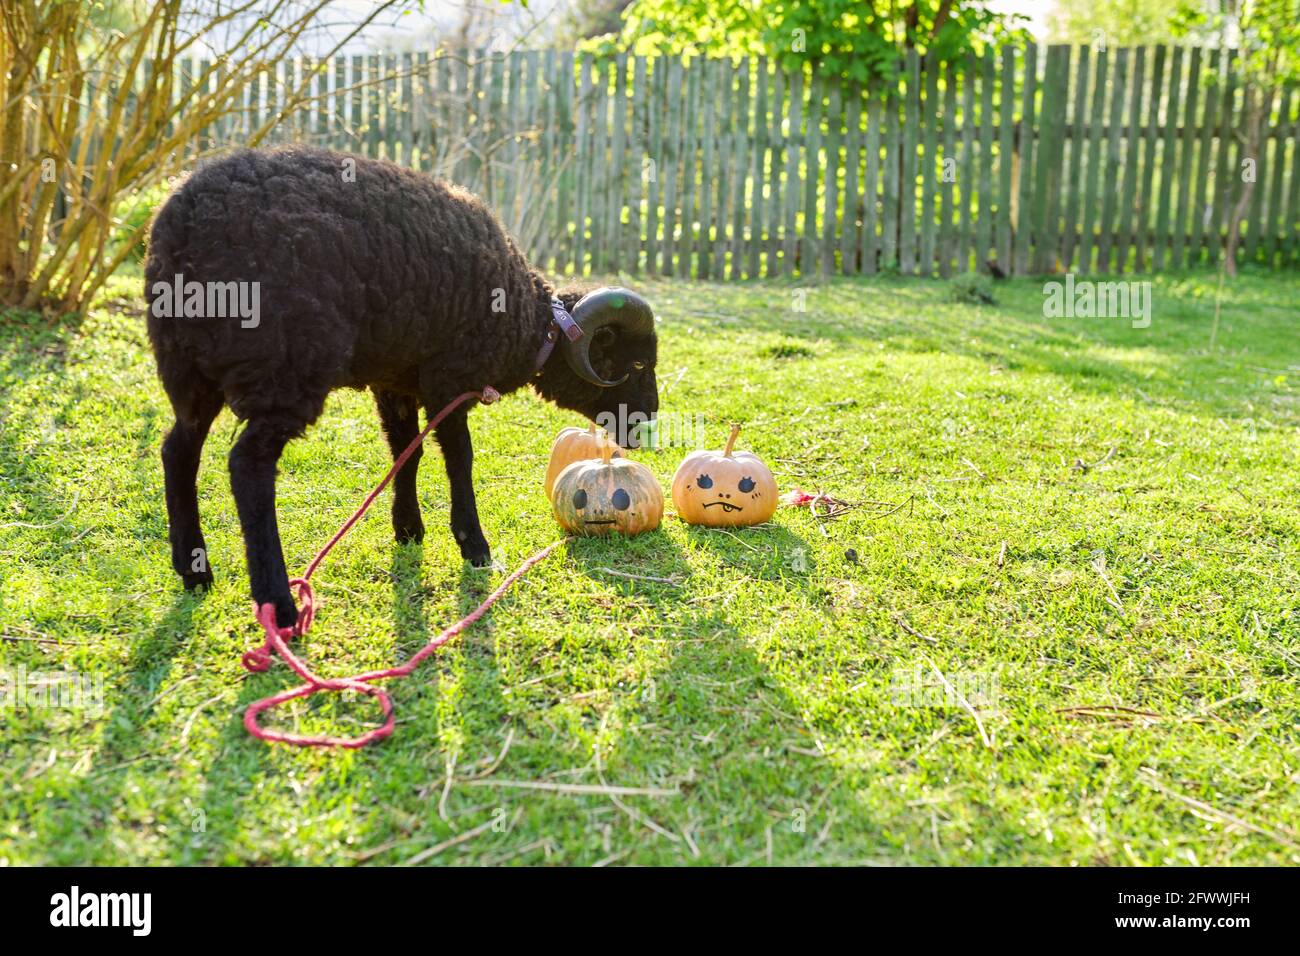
(604, 346)
(571, 296)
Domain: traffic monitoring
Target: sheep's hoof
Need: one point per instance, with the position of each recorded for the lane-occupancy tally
(409, 533)
(197, 579)
(286, 612)
(476, 553)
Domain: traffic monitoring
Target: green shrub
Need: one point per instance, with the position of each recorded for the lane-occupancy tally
(971, 288)
(134, 210)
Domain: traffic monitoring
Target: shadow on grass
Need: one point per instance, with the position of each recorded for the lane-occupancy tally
(31, 349)
(236, 774)
(768, 551)
(623, 561)
(125, 741)
(708, 717)
(469, 659)
(712, 720)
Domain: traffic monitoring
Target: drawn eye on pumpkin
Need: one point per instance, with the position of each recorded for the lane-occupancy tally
(580, 498)
(746, 484)
(704, 481)
(621, 500)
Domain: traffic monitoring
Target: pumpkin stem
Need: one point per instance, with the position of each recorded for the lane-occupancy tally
(731, 440)
(606, 447)
(591, 428)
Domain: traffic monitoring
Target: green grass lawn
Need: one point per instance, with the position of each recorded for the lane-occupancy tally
(1124, 637)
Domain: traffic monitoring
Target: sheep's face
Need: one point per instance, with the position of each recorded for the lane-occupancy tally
(619, 409)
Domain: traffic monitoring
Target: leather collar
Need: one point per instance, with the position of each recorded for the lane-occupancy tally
(561, 321)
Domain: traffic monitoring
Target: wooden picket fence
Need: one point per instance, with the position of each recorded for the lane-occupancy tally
(1101, 161)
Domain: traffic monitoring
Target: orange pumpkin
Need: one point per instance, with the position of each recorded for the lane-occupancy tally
(607, 495)
(572, 444)
(724, 489)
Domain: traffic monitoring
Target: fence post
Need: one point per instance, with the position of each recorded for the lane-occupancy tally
(1026, 130)
(967, 232)
(739, 164)
(651, 171)
(830, 183)
(907, 190)
(713, 119)
(1227, 172)
(1124, 222)
(849, 226)
(889, 209)
(984, 191)
(1277, 134)
(794, 119)
(1110, 178)
(618, 151)
(808, 251)
(929, 168)
(1142, 226)
(668, 169)
(759, 142)
(1162, 240)
(1045, 222)
(776, 87)
(1006, 157)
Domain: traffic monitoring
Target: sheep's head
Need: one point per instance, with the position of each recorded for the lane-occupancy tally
(608, 374)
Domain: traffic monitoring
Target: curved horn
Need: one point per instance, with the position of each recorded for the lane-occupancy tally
(595, 311)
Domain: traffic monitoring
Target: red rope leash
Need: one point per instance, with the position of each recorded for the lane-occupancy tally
(277, 638)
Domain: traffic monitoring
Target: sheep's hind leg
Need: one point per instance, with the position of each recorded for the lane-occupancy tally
(181, 451)
(400, 415)
(252, 480)
(458, 454)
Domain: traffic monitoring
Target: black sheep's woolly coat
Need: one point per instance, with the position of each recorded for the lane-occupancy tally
(387, 281)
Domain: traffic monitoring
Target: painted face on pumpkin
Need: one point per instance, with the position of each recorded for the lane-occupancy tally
(728, 500)
(605, 496)
(724, 489)
(594, 513)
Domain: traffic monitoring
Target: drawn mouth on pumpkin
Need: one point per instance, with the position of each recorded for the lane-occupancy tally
(725, 505)
(598, 521)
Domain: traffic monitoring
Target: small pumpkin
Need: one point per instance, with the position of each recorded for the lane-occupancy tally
(570, 445)
(725, 489)
(607, 495)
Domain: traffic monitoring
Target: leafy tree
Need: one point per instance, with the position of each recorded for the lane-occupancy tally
(92, 110)
(1116, 22)
(585, 19)
(853, 38)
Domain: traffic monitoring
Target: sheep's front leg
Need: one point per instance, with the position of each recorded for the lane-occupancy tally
(458, 454)
(400, 417)
(252, 480)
